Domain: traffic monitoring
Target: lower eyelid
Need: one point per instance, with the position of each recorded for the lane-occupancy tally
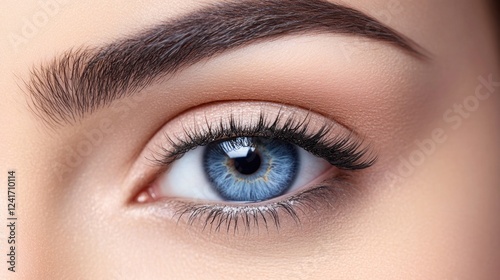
(326, 199)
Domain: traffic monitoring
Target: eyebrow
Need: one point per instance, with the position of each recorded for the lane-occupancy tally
(81, 81)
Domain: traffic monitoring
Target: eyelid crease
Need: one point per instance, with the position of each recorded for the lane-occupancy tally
(345, 151)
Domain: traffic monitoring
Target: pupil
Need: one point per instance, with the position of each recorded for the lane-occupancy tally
(246, 169)
(247, 165)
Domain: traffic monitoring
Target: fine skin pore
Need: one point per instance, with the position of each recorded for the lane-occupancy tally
(421, 95)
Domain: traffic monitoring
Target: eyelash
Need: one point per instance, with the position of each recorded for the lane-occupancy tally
(344, 152)
(220, 217)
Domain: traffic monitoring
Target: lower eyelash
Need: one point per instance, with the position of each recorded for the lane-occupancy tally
(232, 218)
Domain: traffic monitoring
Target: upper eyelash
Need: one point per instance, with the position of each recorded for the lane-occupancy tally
(344, 152)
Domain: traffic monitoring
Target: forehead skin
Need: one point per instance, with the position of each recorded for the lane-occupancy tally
(439, 223)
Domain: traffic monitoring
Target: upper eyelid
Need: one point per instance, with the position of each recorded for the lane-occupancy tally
(346, 145)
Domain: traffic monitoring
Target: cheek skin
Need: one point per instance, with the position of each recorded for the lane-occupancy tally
(449, 212)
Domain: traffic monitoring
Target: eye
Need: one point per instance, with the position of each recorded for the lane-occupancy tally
(258, 163)
(242, 169)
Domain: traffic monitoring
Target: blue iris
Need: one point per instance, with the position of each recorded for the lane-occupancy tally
(251, 169)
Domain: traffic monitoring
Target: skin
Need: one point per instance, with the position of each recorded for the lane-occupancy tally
(438, 221)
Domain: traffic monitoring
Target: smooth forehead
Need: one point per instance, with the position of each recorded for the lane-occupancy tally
(53, 25)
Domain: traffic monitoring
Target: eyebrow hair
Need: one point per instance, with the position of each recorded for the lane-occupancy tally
(83, 80)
